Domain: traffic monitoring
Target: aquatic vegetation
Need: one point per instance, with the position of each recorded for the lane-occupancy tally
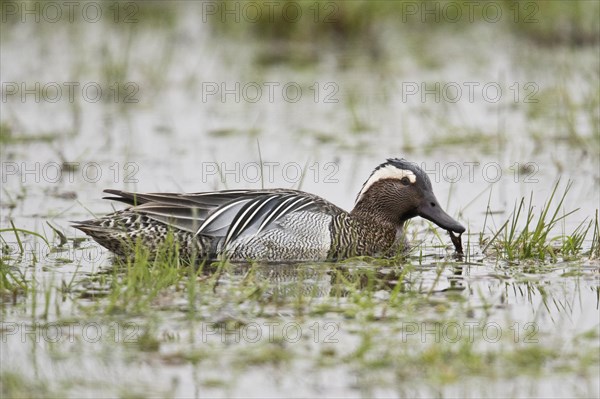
(545, 22)
(554, 23)
(528, 234)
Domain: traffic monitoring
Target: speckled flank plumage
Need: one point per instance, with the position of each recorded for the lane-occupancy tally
(121, 231)
(273, 225)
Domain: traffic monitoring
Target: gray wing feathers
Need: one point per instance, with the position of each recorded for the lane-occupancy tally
(229, 214)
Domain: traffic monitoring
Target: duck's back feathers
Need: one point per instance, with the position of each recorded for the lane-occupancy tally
(229, 214)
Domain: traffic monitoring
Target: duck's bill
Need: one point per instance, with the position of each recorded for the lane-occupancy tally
(431, 210)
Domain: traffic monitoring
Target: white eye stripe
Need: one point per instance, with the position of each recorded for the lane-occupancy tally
(387, 172)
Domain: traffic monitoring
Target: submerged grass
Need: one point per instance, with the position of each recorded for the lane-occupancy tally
(15, 385)
(8, 135)
(138, 280)
(13, 280)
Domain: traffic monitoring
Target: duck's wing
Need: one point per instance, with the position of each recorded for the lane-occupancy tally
(227, 214)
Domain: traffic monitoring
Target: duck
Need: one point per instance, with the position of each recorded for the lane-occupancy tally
(274, 225)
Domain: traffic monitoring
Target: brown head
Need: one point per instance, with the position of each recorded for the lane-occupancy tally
(399, 190)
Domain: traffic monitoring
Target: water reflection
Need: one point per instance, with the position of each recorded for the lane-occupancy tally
(286, 281)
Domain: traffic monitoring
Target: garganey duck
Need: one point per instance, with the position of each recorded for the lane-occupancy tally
(275, 224)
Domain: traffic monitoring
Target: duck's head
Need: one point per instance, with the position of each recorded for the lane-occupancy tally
(398, 190)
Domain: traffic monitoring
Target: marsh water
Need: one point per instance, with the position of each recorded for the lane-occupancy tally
(171, 100)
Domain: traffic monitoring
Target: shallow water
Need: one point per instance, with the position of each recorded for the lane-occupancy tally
(429, 325)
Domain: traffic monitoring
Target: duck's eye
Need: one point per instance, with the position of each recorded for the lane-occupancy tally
(405, 181)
